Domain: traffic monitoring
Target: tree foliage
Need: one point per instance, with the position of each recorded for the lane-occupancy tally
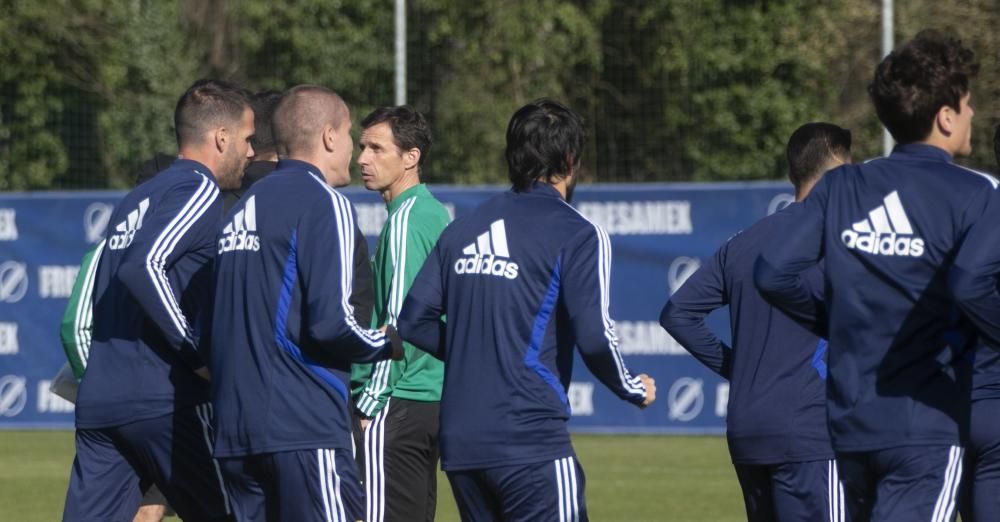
(671, 89)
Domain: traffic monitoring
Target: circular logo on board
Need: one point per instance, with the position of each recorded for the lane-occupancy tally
(779, 202)
(680, 270)
(686, 399)
(13, 395)
(13, 281)
(95, 220)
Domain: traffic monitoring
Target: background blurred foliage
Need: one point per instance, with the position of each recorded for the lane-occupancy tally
(672, 90)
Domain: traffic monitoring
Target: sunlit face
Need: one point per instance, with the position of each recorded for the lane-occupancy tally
(381, 160)
(340, 157)
(962, 127)
(238, 154)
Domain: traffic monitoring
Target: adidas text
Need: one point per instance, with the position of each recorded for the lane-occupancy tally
(486, 265)
(885, 231)
(125, 231)
(241, 240)
(883, 244)
(241, 232)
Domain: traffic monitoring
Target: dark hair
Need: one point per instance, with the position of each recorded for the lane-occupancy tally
(302, 113)
(913, 83)
(811, 147)
(263, 104)
(544, 140)
(996, 143)
(409, 128)
(208, 104)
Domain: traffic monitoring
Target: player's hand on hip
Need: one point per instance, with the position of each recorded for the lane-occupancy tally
(364, 424)
(650, 385)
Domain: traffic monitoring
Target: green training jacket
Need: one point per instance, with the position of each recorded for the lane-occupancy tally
(78, 320)
(415, 222)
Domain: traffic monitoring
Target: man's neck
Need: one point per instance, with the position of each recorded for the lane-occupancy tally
(267, 156)
(197, 154)
(404, 183)
(940, 141)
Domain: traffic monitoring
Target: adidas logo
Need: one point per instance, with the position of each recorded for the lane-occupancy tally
(241, 232)
(886, 232)
(125, 231)
(488, 255)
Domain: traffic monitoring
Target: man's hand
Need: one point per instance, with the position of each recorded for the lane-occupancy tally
(364, 423)
(397, 344)
(650, 385)
(203, 373)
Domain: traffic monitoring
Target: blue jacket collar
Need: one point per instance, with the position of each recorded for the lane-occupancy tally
(540, 188)
(299, 165)
(922, 151)
(190, 164)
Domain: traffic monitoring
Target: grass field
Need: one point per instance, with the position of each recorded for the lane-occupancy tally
(629, 478)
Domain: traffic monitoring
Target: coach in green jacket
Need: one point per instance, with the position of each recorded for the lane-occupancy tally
(398, 401)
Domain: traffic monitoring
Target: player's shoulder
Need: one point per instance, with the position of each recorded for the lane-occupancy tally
(576, 227)
(974, 178)
(428, 207)
(751, 240)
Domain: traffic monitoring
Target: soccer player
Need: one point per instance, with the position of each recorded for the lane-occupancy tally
(76, 331)
(265, 154)
(284, 333)
(888, 231)
(141, 413)
(521, 280)
(974, 284)
(399, 401)
(776, 424)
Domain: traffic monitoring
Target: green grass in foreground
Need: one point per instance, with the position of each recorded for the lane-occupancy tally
(629, 478)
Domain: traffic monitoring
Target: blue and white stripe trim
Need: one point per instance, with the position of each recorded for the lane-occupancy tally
(344, 218)
(835, 493)
(568, 490)
(329, 486)
(164, 245)
(631, 384)
(944, 508)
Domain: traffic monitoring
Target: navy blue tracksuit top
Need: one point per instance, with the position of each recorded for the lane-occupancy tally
(889, 230)
(284, 333)
(776, 368)
(521, 281)
(151, 297)
(974, 283)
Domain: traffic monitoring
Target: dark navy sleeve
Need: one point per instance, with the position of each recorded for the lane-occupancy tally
(586, 296)
(973, 276)
(186, 214)
(778, 271)
(684, 315)
(420, 320)
(325, 249)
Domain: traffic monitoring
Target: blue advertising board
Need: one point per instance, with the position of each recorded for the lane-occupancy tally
(660, 233)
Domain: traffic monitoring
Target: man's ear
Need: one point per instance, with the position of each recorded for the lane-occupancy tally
(411, 158)
(221, 139)
(329, 138)
(945, 120)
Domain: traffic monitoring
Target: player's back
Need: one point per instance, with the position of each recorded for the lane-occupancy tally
(892, 228)
(509, 352)
(133, 372)
(777, 395)
(282, 253)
